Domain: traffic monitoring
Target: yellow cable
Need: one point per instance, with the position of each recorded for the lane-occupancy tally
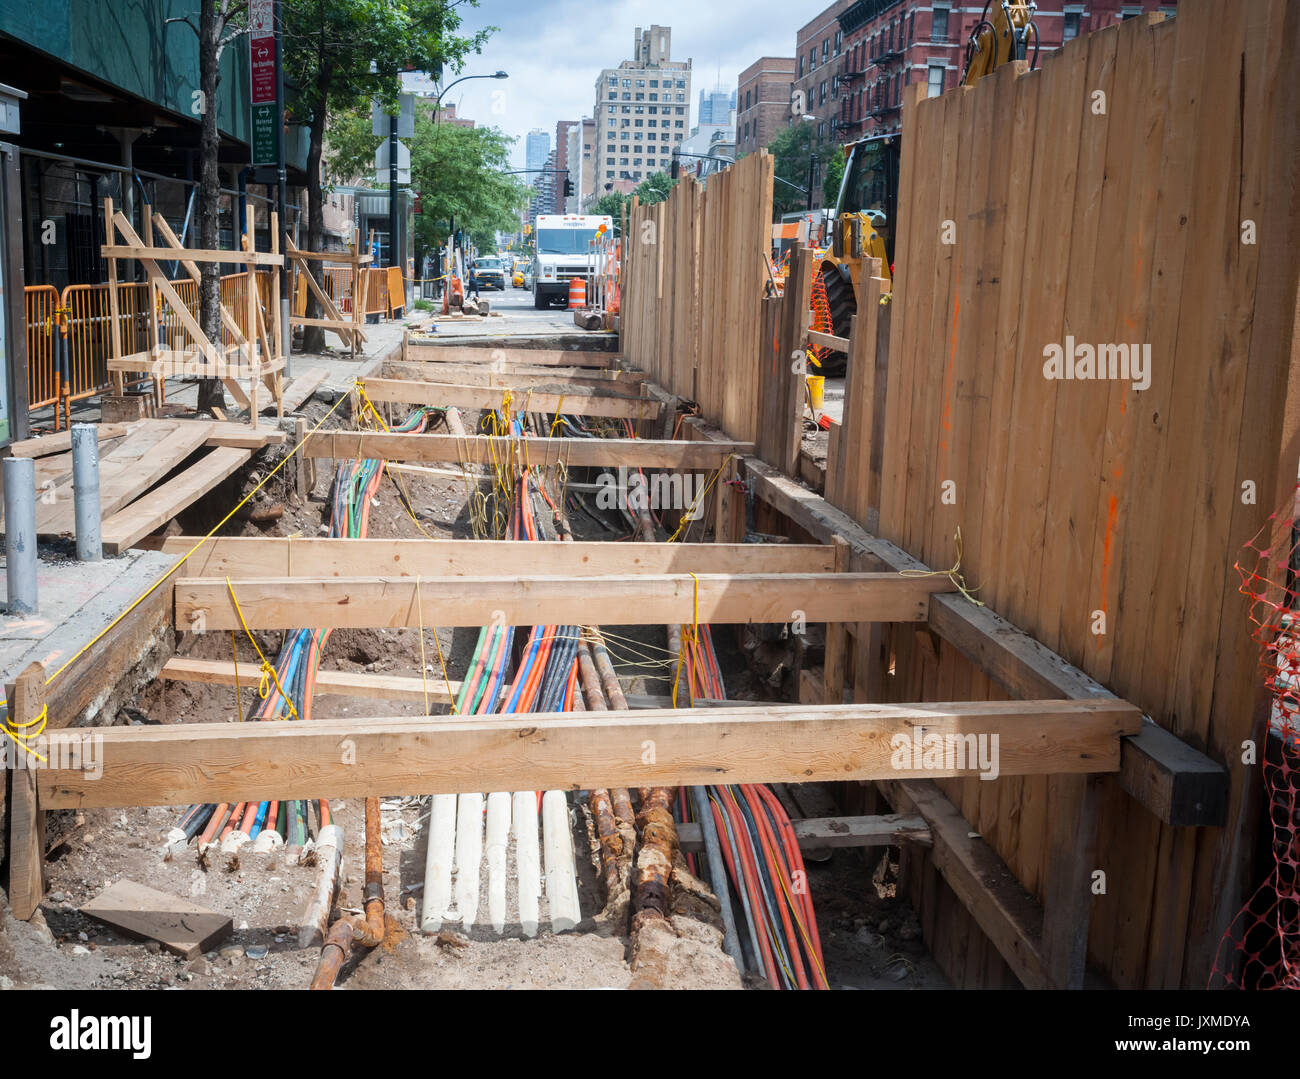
(20, 736)
(954, 574)
(419, 607)
(263, 690)
(688, 516)
(239, 707)
(681, 652)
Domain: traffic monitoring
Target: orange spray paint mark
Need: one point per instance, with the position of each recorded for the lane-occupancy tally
(1112, 513)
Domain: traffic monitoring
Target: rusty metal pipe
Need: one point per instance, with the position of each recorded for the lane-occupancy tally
(366, 930)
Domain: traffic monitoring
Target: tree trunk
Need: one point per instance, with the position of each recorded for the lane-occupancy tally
(313, 337)
(210, 391)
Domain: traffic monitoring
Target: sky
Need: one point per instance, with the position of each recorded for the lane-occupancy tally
(555, 49)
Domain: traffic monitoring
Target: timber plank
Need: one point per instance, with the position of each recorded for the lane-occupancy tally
(651, 599)
(212, 762)
(159, 506)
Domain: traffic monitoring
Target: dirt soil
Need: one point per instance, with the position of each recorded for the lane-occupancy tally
(870, 938)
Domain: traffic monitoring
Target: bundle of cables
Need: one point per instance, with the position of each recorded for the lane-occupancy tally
(761, 852)
(288, 694)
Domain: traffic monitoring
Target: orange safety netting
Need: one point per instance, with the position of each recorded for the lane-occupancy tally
(821, 317)
(1261, 949)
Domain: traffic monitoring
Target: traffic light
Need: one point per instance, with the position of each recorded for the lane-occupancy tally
(568, 187)
(676, 164)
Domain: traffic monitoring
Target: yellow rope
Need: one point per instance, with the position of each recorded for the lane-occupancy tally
(681, 652)
(20, 736)
(689, 515)
(263, 689)
(186, 556)
(419, 607)
(954, 574)
(239, 707)
(451, 697)
(559, 410)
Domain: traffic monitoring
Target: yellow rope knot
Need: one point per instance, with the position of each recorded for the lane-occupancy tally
(268, 671)
(19, 734)
(954, 574)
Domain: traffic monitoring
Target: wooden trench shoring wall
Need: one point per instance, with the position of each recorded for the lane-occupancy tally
(1139, 188)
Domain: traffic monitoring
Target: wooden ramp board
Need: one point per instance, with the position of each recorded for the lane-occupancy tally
(184, 763)
(158, 507)
(584, 403)
(299, 390)
(537, 357)
(61, 441)
(128, 470)
(182, 927)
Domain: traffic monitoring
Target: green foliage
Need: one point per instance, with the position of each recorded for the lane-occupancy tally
(834, 173)
(331, 45)
(654, 188)
(792, 149)
(460, 174)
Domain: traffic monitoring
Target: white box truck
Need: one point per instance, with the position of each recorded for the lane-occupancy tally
(563, 253)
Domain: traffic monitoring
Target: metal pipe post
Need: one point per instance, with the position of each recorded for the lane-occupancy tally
(20, 534)
(85, 491)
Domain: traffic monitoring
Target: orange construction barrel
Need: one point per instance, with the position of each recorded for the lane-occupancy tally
(577, 294)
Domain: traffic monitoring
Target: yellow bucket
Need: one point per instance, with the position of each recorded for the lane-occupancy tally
(816, 391)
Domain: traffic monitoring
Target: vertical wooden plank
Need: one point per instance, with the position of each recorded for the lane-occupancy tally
(26, 818)
(836, 638)
(114, 311)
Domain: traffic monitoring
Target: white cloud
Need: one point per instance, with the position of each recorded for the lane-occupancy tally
(555, 49)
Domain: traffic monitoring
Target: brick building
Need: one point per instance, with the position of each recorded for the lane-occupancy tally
(887, 44)
(763, 101)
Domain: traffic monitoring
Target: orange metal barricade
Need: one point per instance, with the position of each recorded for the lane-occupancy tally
(42, 300)
(396, 290)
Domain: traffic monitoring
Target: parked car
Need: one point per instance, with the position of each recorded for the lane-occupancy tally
(491, 273)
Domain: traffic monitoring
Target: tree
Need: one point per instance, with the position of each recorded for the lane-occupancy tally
(342, 53)
(220, 23)
(654, 188)
(792, 150)
(834, 173)
(460, 173)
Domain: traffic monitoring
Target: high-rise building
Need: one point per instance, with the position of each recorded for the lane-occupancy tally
(715, 107)
(562, 132)
(643, 112)
(763, 101)
(587, 174)
(536, 146)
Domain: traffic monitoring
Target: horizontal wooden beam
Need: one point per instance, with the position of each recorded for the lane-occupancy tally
(256, 556)
(329, 758)
(828, 340)
(822, 833)
(189, 254)
(652, 599)
(484, 449)
(515, 376)
(538, 357)
(222, 672)
(585, 403)
(1176, 782)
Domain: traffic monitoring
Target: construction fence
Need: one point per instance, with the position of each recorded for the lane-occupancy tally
(1081, 393)
(69, 330)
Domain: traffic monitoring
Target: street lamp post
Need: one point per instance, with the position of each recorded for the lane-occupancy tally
(392, 159)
